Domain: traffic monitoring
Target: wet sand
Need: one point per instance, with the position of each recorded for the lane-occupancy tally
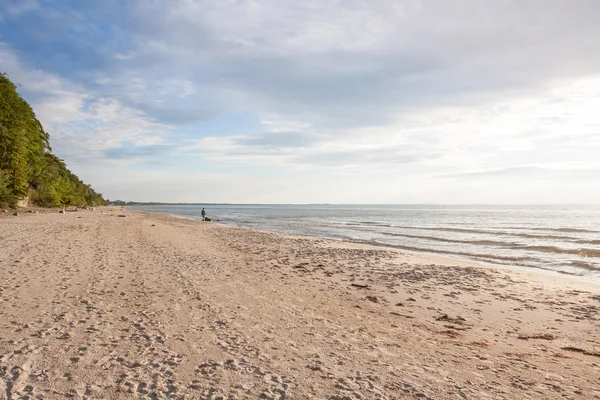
(98, 306)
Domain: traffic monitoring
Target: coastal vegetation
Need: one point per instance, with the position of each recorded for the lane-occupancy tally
(29, 172)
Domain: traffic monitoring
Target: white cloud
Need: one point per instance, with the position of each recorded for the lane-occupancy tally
(373, 92)
(105, 124)
(22, 6)
(460, 139)
(125, 56)
(82, 126)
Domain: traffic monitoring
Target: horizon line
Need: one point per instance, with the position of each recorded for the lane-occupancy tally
(350, 204)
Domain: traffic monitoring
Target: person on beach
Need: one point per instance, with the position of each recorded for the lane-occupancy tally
(203, 212)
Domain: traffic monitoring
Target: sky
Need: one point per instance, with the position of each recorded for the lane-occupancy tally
(281, 101)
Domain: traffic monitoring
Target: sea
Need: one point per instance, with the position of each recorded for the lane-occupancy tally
(558, 239)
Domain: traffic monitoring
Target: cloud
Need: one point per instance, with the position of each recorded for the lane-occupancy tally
(105, 125)
(518, 130)
(138, 153)
(278, 140)
(23, 6)
(82, 125)
(337, 65)
(499, 172)
(353, 65)
(412, 89)
(526, 172)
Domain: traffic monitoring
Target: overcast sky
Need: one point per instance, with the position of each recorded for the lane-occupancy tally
(281, 101)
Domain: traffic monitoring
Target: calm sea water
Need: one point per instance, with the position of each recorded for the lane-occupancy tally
(563, 239)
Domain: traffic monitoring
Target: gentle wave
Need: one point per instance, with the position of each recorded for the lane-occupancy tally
(428, 228)
(582, 252)
(440, 239)
(590, 253)
(553, 237)
(489, 232)
(585, 265)
(371, 224)
(565, 240)
(574, 230)
(525, 261)
(458, 253)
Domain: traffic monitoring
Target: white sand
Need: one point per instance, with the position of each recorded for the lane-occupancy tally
(93, 305)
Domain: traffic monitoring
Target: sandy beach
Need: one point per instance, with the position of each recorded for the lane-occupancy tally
(113, 304)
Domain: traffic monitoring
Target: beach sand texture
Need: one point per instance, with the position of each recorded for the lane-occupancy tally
(98, 306)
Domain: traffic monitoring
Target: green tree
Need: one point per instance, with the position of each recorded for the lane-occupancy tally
(27, 166)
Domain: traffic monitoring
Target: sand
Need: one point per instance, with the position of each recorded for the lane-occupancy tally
(98, 306)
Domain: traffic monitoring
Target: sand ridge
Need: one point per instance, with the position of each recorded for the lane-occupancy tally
(94, 305)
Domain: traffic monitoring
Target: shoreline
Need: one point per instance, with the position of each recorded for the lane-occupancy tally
(96, 305)
(442, 255)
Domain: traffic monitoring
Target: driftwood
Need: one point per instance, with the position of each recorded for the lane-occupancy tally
(545, 336)
(582, 351)
(358, 285)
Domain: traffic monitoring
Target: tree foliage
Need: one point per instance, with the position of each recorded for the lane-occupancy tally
(27, 166)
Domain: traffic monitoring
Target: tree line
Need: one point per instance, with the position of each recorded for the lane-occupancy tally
(28, 169)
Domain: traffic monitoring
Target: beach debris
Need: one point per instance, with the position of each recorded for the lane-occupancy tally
(5, 211)
(358, 285)
(458, 328)
(545, 336)
(61, 211)
(232, 364)
(401, 315)
(16, 214)
(517, 354)
(582, 351)
(458, 320)
(561, 355)
(451, 333)
(153, 225)
(374, 299)
(122, 215)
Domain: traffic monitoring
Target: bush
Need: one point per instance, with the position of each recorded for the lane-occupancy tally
(7, 198)
(27, 166)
